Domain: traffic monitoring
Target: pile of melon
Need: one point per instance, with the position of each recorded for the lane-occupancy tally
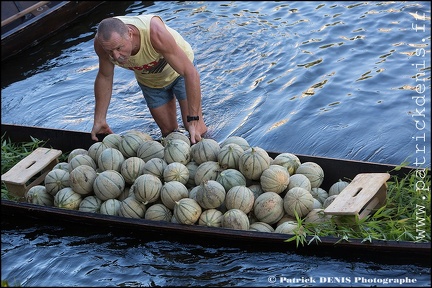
(230, 185)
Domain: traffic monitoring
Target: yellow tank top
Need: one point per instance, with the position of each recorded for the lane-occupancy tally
(150, 68)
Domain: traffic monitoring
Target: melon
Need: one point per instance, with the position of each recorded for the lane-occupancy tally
(127, 192)
(288, 160)
(230, 178)
(155, 166)
(131, 208)
(150, 149)
(39, 195)
(108, 184)
(229, 156)
(95, 149)
(207, 171)
(172, 192)
(112, 140)
(242, 142)
(176, 171)
(317, 204)
(158, 212)
(177, 150)
(62, 165)
(81, 159)
(288, 227)
(252, 217)
(147, 188)
(328, 201)
(75, 152)
(298, 201)
(55, 180)
(211, 218)
(317, 216)
(131, 168)
(90, 204)
(240, 197)
(110, 159)
(187, 211)
(261, 227)
(285, 218)
(235, 219)
(81, 179)
(313, 172)
(299, 180)
(144, 136)
(253, 162)
(176, 135)
(337, 187)
(205, 150)
(193, 192)
(319, 194)
(67, 198)
(110, 207)
(129, 144)
(192, 167)
(275, 179)
(256, 189)
(268, 208)
(211, 194)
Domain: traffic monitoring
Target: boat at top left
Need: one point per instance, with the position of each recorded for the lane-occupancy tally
(24, 24)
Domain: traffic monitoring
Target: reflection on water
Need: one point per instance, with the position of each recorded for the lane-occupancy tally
(271, 72)
(37, 255)
(335, 79)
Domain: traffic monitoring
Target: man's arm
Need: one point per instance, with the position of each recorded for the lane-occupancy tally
(103, 91)
(164, 43)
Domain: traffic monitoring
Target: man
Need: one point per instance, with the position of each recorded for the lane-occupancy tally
(163, 65)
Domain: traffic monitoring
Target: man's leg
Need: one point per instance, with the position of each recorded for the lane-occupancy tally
(165, 117)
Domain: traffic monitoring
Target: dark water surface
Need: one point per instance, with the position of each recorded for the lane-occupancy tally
(335, 79)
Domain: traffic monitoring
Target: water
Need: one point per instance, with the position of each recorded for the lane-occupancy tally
(334, 79)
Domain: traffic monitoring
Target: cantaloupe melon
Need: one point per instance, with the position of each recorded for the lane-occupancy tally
(206, 149)
(313, 172)
(211, 218)
(67, 198)
(268, 207)
(177, 150)
(176, 171)
(39, 195)
(187, 211)
(235, 219)
(108, 184)
(147, 188)
(253, 162)
(298, 200)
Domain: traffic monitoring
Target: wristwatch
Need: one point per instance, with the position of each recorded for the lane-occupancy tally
(192, 118)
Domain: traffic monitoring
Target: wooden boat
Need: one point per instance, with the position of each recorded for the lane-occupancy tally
(26, 23)
(388, 251)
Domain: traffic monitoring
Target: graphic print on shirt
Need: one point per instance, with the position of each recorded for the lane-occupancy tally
(151, 68)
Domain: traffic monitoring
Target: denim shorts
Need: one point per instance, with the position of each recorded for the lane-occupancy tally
(156, 97)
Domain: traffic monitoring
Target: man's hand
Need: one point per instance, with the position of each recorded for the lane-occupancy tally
(100, 129)
(194, 132)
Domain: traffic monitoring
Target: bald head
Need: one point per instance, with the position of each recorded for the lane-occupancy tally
(109, 26)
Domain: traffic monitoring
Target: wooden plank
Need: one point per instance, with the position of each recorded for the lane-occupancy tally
(366, 192)
(23, 12)
(37, 164)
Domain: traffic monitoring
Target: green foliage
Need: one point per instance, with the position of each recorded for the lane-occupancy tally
(404, 217)
(12, 153)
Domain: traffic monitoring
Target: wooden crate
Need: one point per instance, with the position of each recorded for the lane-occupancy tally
(30, 171)
(367, 191)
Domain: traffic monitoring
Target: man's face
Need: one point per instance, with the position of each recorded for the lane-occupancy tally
(117, 47)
